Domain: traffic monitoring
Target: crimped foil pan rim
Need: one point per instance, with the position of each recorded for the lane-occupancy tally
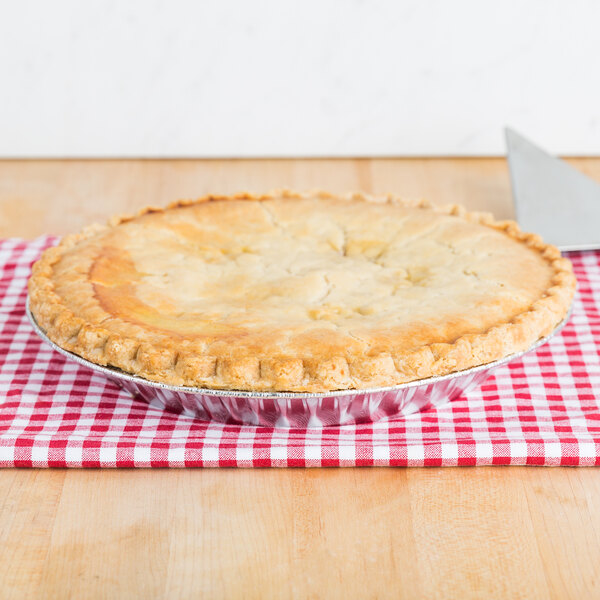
(119, 374)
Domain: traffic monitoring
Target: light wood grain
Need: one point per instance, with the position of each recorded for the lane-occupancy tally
(314, 533)
(62, 196)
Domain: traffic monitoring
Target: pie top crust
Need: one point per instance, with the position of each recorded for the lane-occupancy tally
(299, 292)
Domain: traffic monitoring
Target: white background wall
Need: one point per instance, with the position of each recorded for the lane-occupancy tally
(302, 78)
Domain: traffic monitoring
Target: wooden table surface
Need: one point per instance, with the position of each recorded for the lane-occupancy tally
(494, 532)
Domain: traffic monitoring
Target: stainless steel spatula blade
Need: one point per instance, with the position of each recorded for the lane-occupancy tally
(552, 198)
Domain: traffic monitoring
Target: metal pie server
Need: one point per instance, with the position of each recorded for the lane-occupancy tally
(552, 198)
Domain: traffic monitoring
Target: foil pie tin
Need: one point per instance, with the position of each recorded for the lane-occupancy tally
(299, 409)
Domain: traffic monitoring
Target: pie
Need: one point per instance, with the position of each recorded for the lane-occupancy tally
(299, 292)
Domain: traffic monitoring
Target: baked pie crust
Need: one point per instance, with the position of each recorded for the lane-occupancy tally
(299, 292)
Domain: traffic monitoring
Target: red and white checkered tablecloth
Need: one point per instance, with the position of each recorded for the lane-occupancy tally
(541, 410)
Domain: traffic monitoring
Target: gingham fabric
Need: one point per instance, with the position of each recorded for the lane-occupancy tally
(540, 410)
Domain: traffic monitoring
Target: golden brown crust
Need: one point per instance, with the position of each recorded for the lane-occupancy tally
(85, 319)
